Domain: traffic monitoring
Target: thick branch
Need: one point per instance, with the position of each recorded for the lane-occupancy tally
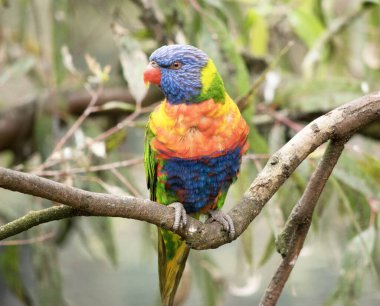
(339, 123)
(291, 240)
(78, 101)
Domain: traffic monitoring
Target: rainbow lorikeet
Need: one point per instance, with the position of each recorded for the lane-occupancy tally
(194, 142)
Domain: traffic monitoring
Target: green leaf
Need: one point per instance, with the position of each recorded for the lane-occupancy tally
(247, 244)
(376, 253)
(48, 276)
(350, 199)
(360, 172)
(286, 198)
(99, 235)
(317, 95)
(133, 61)
(116, 139)
(211, 47)
(215, 3)
(6, 158)
(60, 36)
(5, 3)
(356, 260)
(306, 25)
(371, 166)
(258, 33)
(43, 134)
(370, 2)
(257, 143)
(207, 277)
(18, 68)
(269, 249)
(240, 80)
(10, 269)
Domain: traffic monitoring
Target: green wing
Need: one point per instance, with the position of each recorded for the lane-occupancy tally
(172, 251)
(150, 163)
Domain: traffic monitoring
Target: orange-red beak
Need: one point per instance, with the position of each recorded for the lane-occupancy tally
(152, 74)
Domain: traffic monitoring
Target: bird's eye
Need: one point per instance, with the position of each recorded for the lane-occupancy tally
(154, 64)
(176, 65)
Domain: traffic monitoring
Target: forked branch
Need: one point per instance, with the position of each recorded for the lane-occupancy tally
(291, 240)
(340, 123)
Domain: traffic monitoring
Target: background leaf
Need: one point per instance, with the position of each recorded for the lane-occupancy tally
(11, 273)
(133, 61)
(356, 259)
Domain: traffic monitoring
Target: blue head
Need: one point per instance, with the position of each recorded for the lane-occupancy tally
(177, 70)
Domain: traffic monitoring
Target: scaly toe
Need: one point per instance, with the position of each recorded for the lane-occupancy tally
(225, 220)
(180, 216)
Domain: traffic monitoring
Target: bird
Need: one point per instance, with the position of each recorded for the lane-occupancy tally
(194, 142)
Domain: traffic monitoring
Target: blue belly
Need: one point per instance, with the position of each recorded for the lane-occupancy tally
(197, 183)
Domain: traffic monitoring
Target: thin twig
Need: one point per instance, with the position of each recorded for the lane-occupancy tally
(32, 240)
(49, 161)
(118, 127)
(242, 102)
(79, 121)
(126, 183)
(104, 167)
(280, 117)
(291, 240)
(146, 109)
(129, 121)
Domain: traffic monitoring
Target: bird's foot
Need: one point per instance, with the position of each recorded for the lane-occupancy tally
(180, 216)
(224, 219)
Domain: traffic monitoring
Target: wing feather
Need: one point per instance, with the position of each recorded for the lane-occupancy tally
(150, 163)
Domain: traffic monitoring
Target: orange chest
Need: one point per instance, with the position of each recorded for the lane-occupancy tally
(197, 130)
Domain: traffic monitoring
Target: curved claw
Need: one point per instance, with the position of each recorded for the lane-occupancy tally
(225, 220)
(180, 216)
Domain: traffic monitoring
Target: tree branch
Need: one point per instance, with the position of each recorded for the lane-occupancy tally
(291, 240)
(34, 218)
(339, 123)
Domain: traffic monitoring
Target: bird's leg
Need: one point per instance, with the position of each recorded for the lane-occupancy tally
(224, 219)
(180, 216)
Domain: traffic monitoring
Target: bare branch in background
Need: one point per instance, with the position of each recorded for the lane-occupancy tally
(104, 167)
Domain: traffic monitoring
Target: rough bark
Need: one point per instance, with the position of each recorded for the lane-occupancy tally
(291, 240)
(340, 123)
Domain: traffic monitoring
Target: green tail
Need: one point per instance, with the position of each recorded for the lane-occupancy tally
(172, 256)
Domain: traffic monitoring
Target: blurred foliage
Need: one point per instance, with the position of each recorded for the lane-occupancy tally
(49, 48)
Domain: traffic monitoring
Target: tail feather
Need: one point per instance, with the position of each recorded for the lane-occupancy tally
(172, 256)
